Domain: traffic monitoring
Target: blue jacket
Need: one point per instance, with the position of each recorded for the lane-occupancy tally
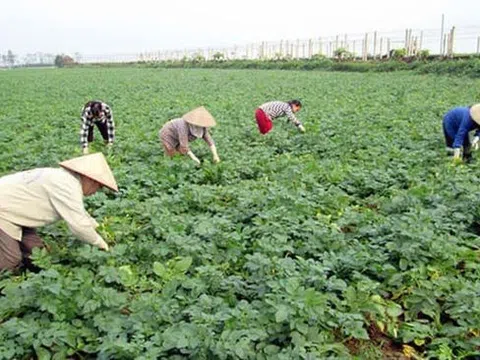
(458, 123)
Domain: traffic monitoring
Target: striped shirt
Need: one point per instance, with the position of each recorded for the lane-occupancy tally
(275, 109)
(88, 120)
(176, 134)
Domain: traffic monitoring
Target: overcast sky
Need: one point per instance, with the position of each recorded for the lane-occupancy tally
(113, 26)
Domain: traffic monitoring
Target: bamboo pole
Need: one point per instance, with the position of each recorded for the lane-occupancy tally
(406, 41)
(365, 50)
(442, 30)
(410, 42)
(444, 46)
(452, 41)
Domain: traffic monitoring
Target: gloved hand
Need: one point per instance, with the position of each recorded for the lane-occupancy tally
(457, 154)
(476, 143)
(85, 150)
(194, 158)
(101, 244)
(301, 128)
(213, 149)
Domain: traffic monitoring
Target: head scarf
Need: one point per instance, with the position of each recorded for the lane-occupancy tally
(197, 131)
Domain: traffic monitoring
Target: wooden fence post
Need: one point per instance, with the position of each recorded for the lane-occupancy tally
(320, 46)
(374, 45)
(478, 45)
(310, 48)
(381, 47)
(353, 50)
(420, 46)
(297, 49)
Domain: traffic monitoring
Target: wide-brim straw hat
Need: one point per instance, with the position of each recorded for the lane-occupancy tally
(475, 113)
(93, 166)
(200, 117)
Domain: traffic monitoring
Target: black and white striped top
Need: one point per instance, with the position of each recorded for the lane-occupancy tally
(88, 120)
(275, 109)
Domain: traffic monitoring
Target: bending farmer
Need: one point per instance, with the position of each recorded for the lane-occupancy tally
(99, 114)
(176, 134)
(275, 109)
(38, 197)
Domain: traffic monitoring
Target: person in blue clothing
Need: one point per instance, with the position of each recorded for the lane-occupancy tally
(457, 124)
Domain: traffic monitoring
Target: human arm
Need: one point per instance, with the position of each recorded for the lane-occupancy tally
(110, 125)
(68, 204)
(209, 140)
(291, 116)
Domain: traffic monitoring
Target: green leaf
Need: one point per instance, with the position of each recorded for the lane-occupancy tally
(42, 353)
(394, 310)
(160, 270)
(183, 264)
(282, 313)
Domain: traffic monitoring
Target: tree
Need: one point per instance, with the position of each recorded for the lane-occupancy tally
(62, 60)
(342, 54)
(218, 56)
(398, 53)
(78, 57)
(10, 59)
(198, 58)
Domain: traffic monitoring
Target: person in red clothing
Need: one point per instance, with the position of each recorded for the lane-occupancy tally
(274, 109)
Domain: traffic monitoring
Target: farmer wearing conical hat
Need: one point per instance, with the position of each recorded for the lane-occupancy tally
(457, 124)
(176, 134)
(38, 197)
(275, 109)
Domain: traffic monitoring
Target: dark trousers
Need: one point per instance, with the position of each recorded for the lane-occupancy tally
(15, 254)
(102, 127)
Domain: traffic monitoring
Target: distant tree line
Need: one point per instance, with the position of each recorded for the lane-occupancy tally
(37, 59)
(8, 59)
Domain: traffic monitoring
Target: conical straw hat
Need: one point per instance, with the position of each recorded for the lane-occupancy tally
(95, 167)
(200, 117)
(475, 113)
